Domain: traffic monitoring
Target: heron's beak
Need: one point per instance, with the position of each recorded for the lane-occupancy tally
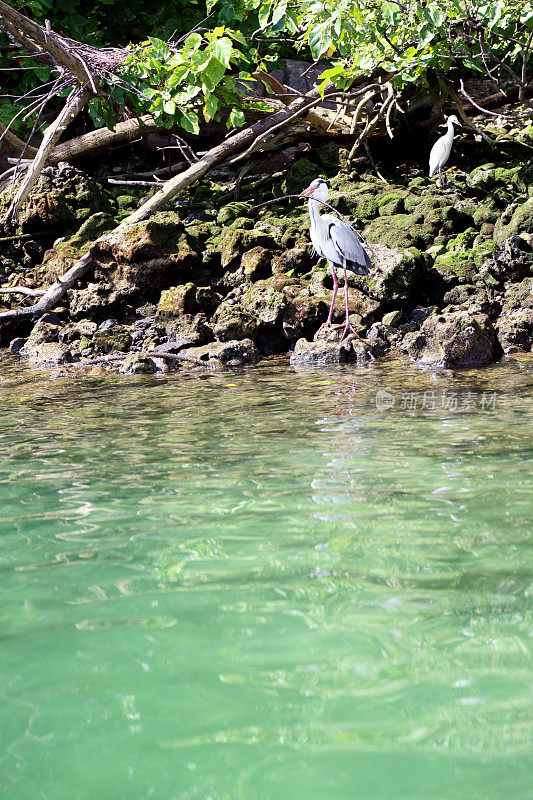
(306, 192)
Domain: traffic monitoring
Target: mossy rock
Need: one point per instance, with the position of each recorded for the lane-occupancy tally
(360, 204)
(486, 212)
(135, 364)
(391, 203)
(294, 261)
(186, 300)
(116, 338)
(126, 202)
(232, 322)
(143, 241)
(232, 211)
(267, 299)
(459, 264)
(423, 203)
(233, 243)
(400, 232)
(91, 229)
(198, 233)
(490, 176)
(519, 295)
(519, 220)
(177, 300)
(396, 273)
(256, 263)
(300, 175)
(62, 196)
(242, 222)
(332, 157)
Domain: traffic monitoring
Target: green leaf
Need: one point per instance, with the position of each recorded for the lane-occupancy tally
(211, 106)
(279, 12)
(236, 118)
(189, 121)
(222, 50)
(213, 74)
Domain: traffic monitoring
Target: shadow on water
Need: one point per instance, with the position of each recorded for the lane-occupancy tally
(266, 584)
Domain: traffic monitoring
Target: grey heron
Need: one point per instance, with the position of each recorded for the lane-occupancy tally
(440, 152)
(335, 241)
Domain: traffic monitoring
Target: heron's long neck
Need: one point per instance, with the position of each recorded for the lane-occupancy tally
(314, 214)
(451, 131)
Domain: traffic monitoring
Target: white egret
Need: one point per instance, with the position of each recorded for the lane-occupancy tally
(335, 241)
(440, 152)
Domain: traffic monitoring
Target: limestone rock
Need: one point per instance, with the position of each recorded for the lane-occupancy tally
(112, 339)
(295, 260)
(231, 322)
(516, 220)
(512, 262)
(454, 338)
(233, 353)
(515, 330)
(515, 325)
(138, 365)
(42, 346)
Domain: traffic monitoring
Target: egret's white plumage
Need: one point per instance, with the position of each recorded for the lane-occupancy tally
(440, 152)
(335, 241)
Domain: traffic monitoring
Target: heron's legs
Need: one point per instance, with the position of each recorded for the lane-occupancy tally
(347, 326)
(327, 323)
(335, 290)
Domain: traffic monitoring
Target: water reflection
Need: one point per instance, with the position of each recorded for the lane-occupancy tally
(263, 586)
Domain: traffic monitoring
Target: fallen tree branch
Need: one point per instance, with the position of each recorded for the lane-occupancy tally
(23, 28)
(77, 99)
(22, 290)
(81, 145)
(174, 357)
(17, 144)
(287, 96)
(372, 122)
(468, 122)
(54, 292)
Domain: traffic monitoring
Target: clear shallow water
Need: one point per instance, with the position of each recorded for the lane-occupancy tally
(260, 586)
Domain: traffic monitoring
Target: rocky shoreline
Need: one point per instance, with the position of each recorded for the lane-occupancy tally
(451, 286)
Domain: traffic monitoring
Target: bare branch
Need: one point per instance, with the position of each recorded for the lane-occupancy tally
(76, 101)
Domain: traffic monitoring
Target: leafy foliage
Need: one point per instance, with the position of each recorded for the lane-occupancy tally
(201, 74)
(407, 39)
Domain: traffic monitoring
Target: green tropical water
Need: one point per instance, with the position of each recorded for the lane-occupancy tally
(261, 586)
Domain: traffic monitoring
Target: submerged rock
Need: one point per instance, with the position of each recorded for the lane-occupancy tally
(233, 353)
(138, 365)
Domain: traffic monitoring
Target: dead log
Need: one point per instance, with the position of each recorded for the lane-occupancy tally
(103, 137)
(287, 95)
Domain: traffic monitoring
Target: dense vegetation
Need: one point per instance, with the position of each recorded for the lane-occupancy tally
(188, 58)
